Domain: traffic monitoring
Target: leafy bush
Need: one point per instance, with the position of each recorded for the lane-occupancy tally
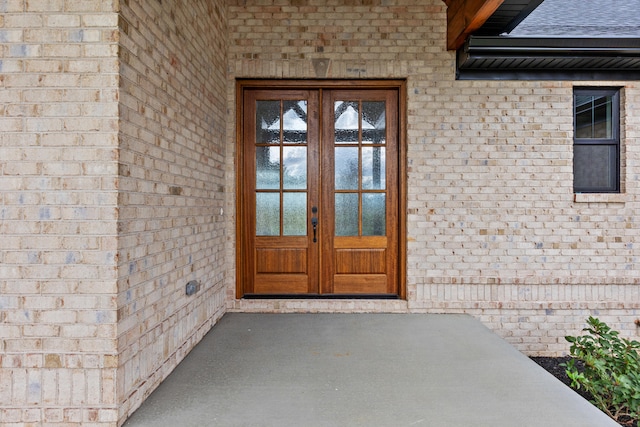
(611, 372)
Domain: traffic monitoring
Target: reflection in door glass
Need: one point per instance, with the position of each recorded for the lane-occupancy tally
(346, 214)
(267, 122)
(294, 119)
(295, 167)
(346, 122)
(267, 168)
(294, 217)
(346, 168)
(373, 122)
(267, 214)
(373, 168)
(373, 214)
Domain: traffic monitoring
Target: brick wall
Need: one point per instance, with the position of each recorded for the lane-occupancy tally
(58, 165)
(117, 186)
(112, 185)
(171, 224)
(493, 226)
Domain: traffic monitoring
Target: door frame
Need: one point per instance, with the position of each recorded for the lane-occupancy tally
(267, 84)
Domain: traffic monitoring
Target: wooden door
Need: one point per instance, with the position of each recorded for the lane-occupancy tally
(360, 190)
(280, 157)
(319, 192)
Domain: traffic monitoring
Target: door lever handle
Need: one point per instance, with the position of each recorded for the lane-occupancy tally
(314, 223)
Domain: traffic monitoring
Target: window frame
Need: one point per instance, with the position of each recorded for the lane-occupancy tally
(614, 140)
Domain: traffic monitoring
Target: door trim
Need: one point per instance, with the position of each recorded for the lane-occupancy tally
(400, 85)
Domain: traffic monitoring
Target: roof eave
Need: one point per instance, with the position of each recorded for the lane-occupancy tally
(548, 58)
(549, 46)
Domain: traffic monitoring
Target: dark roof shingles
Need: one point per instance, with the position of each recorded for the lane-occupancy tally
(582, 18)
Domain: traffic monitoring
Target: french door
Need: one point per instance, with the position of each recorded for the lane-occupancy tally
(319, 191)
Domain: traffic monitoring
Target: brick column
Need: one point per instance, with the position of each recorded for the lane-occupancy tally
(58, 182)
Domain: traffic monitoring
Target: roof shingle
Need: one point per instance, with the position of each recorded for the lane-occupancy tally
(582, 18)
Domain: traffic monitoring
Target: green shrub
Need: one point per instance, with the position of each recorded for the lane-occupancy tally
(611, 372)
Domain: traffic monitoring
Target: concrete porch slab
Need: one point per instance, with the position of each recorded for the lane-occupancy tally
(360, 370)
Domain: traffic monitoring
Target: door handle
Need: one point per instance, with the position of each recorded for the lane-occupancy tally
(314, 223)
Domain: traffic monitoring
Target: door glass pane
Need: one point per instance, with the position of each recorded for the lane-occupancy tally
(346, 168)
(373, 168)
(267, 122)
(346, 122)
(294, 119)
(594, 167)
(594, 116)
(295, 167)
(295, 214)
(267, 168)
(267, 214)
(346, 217)
(373, 122)
(373, 214)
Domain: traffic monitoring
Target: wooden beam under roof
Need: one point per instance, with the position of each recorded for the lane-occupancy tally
(466, 16)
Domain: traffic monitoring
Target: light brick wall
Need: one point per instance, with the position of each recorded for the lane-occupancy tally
(117, 187)
(112, 180)
(493, 227)
(58, 196)
(171, 224)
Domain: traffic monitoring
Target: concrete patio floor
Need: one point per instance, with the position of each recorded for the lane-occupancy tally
(360, 370)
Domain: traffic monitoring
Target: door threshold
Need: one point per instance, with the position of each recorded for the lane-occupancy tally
(322, 296)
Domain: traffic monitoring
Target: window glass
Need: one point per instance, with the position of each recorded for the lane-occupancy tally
(373, 214)
(267, 214)
(593, 166)
(594, 118)
(347, 214)
(596, 145)
(294, 217)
